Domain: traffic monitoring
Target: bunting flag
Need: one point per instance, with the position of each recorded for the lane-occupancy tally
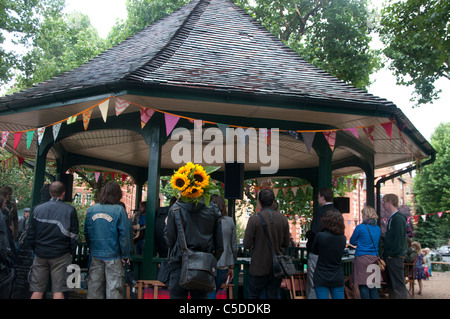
(72, 119)
(388, 128)
(369, 131)
(353, 130)
(97, 175)
(30, 135)
(223, 128)
(308, 139)
(20, 160)
(146, 114)
(198, 124)
(121, 105)
(294, 190)
(86, 118)
(330, 136)
(17, 137)
(41, 132)
(4, 138)
(124, 177)
(56, 129)
(104, 109)
(171, 121)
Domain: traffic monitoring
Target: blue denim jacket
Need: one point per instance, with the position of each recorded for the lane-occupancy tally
(107, 231)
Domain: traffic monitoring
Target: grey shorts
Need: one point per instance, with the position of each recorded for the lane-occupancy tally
(56, 268)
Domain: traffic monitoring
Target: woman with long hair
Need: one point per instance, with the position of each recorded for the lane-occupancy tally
(329, 245)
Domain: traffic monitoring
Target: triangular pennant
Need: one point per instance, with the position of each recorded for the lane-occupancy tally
(20, 160)
(113, 175)
(308, 139)
(388, 128)
(198, 124)
(86, 118)
(293, 134)
(330, 136)
(275, 191)
(223, 128)
(294, 190)
(56, 128)
(72, 119)
(146, 114)
(97, 175)
(17, 137)
(30, 135)
(355, 182)
(369, 131)
(104, 109)
(171, 121)
(439, 214)
(416, 218)
(124, 177)
(353, 130)
(424, 217)
(4, 138)
(41, 132)
(304, 188)
(121, 105)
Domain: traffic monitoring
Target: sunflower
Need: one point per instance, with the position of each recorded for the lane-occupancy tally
(192, 192)
(186, 169)
(179, 181)
(200, 177)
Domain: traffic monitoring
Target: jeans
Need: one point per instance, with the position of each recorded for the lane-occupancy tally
(267, 284)
(312, 262)
(106, 279)
(368, 293)
(323, 292)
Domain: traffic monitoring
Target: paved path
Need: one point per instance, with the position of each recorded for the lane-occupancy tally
(436, 287)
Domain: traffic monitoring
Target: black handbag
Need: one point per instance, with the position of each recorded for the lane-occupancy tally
(282, 264)
(198, 269)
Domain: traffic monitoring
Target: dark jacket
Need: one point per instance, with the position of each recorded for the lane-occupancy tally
(395, 242)
(53, 229)
(256, 239)
(316, 225)
(202, 229)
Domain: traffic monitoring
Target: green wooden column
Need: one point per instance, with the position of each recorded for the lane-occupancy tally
(40, 165)
(152, 135)
(323, 150)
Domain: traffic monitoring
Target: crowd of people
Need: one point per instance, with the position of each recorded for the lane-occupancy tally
(52, 232)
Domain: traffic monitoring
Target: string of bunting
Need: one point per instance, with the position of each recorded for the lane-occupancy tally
(172, 119)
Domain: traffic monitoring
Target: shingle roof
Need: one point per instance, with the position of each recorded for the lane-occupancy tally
(205, 44)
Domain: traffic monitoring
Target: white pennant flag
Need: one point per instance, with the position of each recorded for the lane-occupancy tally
(40, 132)
(56, 129)
(424, 217)
(104, 109)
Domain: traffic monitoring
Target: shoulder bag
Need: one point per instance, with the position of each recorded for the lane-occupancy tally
(282, 264)
(381, 262)
(198, 269)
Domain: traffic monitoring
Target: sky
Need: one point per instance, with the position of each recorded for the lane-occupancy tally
(104, 13)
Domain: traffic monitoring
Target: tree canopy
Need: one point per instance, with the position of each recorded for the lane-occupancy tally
(416, 36)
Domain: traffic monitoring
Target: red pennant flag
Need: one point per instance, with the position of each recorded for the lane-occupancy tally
(17, 137)
(20, 159)
(388, 128)
(369, 131)
(124, 177)
(330, 136)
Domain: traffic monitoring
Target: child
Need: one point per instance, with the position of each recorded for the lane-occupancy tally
(419, 271)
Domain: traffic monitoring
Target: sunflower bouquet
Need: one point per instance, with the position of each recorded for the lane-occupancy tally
(192, 183)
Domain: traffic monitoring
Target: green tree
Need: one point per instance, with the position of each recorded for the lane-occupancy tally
(18, 21)
(432, 185)
(141, 13)
(62, 43)
(415, 33)
(332, 35)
